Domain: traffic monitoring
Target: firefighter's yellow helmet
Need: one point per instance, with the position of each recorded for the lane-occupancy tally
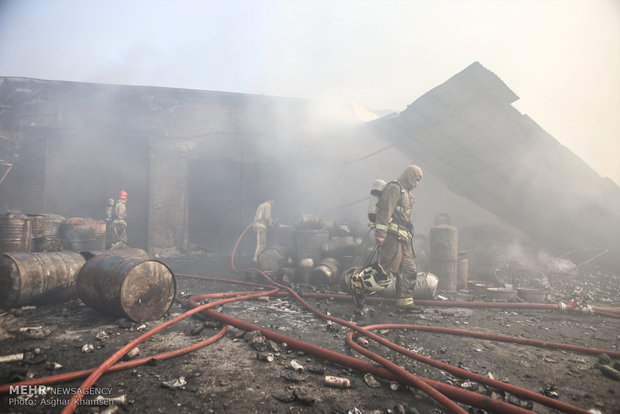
(368, 281)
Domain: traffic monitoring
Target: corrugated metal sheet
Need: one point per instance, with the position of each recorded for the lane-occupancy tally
(470, 136)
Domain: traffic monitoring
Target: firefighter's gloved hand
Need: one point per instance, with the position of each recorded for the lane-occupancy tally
(379, 240)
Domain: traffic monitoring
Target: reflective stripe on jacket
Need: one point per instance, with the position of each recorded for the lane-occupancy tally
(394, 211)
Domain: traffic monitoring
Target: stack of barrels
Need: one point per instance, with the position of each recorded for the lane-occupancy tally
(122, 282)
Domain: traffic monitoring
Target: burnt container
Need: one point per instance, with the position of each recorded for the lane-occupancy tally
(138, 289)
(30, 278)
(326, 272)
(15, 233)
(340, 246)
(83, 234)
(308, 222)
(37, 224)
(45, 232)
(272, 259)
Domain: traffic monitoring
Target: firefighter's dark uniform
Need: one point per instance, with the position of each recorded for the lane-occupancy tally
(393, 223)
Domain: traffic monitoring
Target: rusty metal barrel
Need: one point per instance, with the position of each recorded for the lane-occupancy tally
(37, 222)
(272, 259)
(326, 272)
(83, 234)
(138, 289)
(15, 233)
(341, 246)
(45, 232)
(30, 278)
(308, 222)
(443, 243)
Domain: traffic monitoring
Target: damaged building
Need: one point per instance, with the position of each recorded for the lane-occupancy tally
(196, 163)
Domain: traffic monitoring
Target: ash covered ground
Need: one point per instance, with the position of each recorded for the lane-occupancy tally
(228, 377)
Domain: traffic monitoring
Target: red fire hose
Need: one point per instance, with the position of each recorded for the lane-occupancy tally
(518, 391)
(72, 405)
(450, 391)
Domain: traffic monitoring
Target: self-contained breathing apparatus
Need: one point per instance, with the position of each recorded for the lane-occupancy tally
(403, 228)
(375, 195)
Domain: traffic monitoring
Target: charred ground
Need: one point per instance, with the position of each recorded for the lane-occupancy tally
(227, 376)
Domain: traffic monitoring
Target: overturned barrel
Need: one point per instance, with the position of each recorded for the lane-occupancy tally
(15, 233)
(272, 259)
(141, 290)
(326, 272)
(31, 278)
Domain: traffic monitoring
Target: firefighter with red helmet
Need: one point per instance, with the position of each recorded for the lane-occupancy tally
(119, 224)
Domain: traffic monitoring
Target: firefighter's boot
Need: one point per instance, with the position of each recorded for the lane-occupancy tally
(406, 305)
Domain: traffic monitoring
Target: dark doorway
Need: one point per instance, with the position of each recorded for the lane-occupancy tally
(223, 196)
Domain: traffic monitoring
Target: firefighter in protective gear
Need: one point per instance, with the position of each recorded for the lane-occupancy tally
(262, 219)
(119, 224)
(394, 234)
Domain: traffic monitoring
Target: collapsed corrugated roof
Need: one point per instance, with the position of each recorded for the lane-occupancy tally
(468, 134)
